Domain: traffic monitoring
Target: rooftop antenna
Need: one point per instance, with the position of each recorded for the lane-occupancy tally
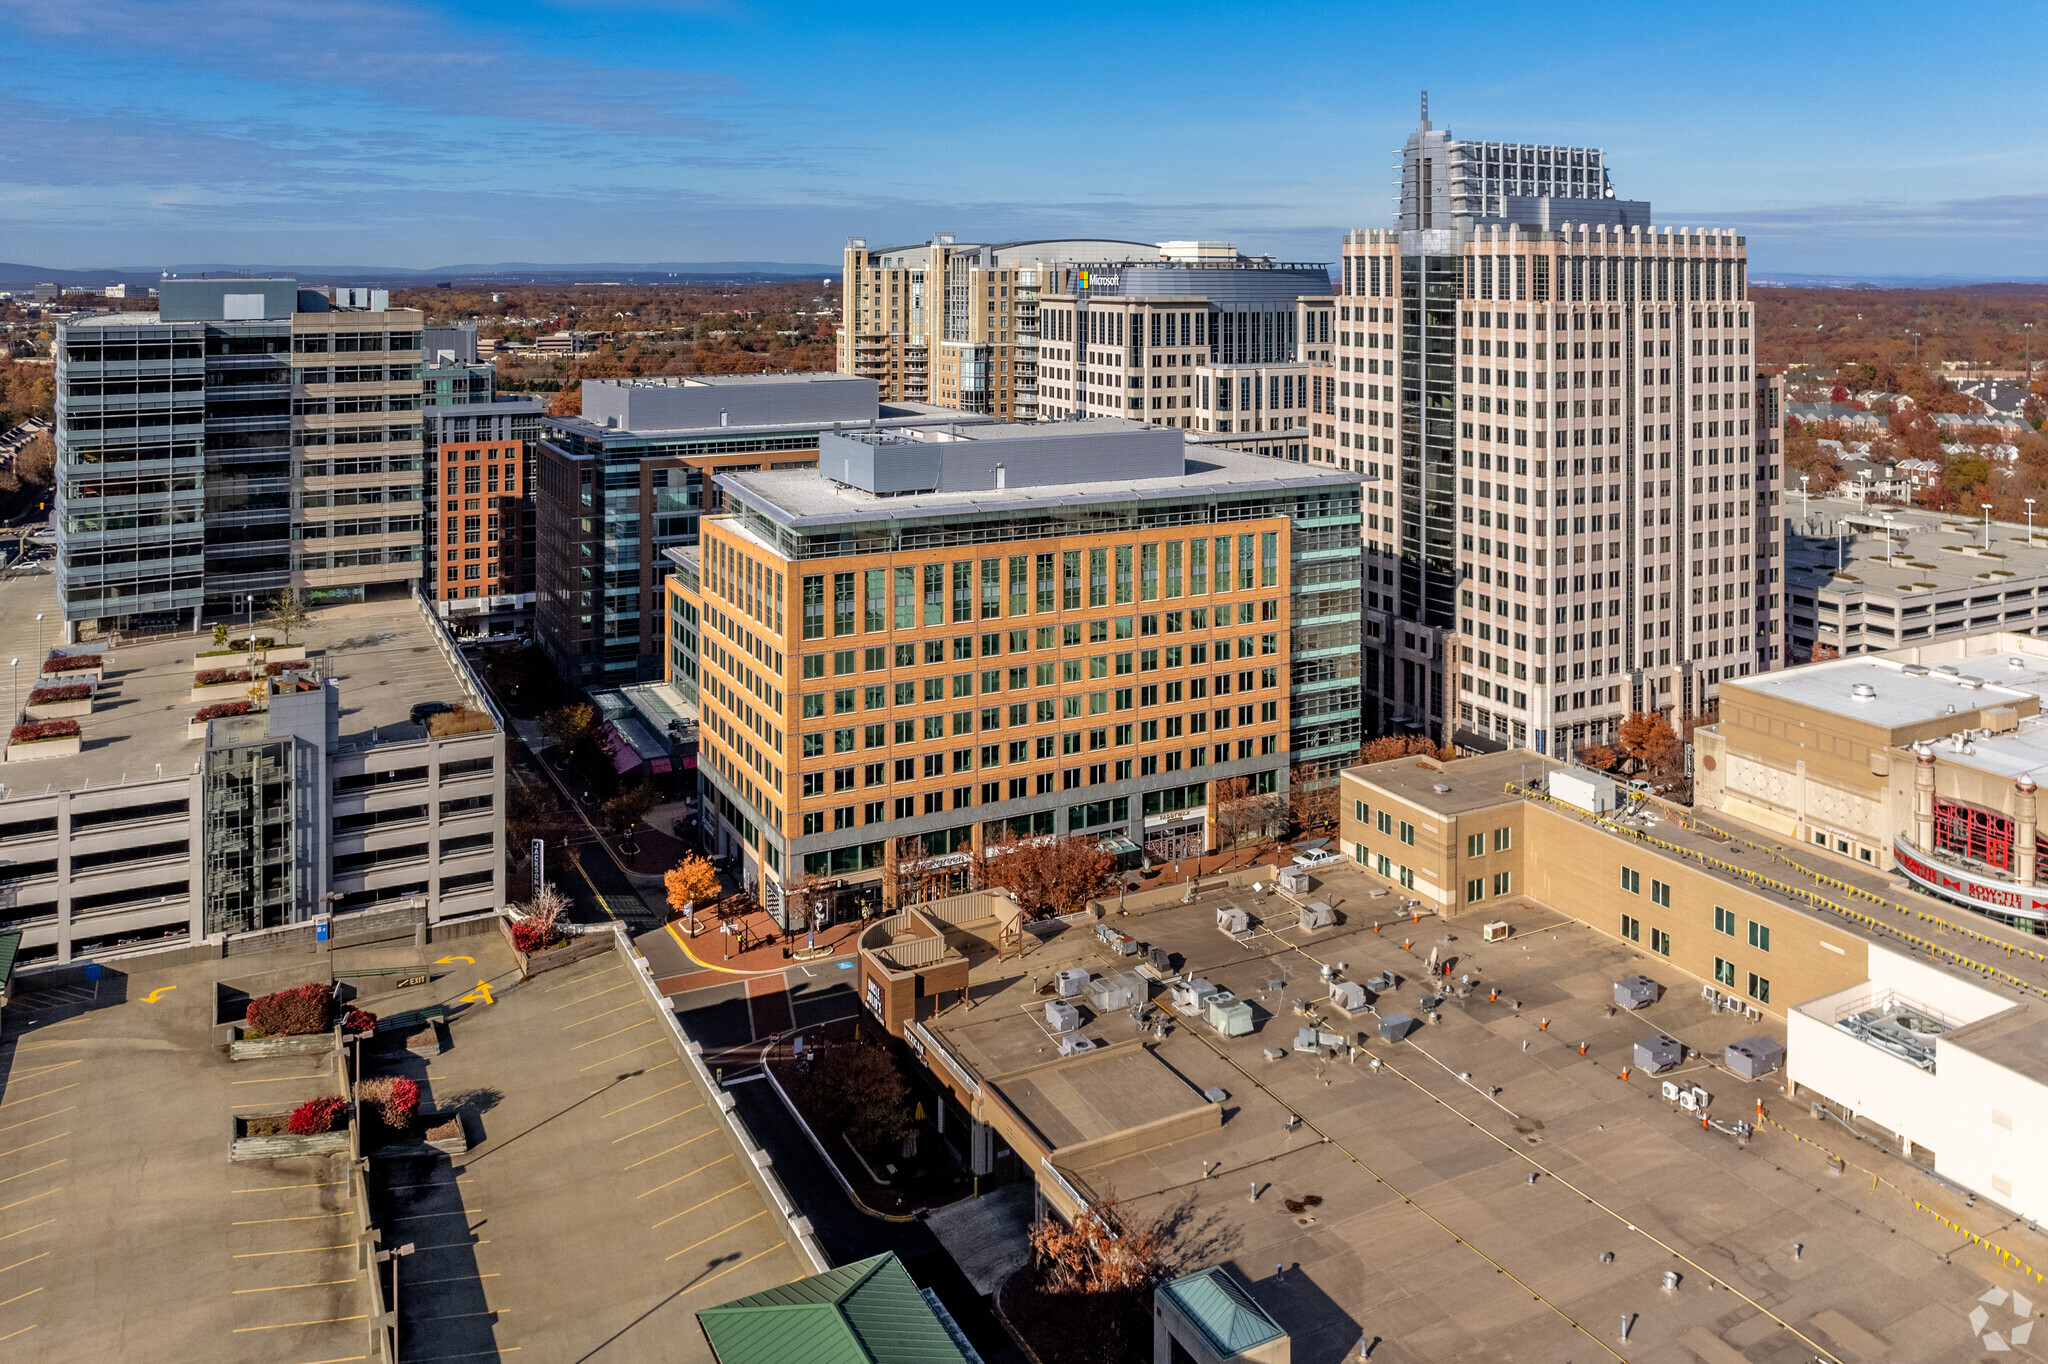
(1425, 111)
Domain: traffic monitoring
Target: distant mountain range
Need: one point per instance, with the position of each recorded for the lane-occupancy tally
(15, 276)
(1974, 284)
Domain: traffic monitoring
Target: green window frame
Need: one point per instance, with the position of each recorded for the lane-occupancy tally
(1660, 893)
(1759, 936)
(1631, 928)
(1503, 839)
(1660, 942)
(1759, 988)
(1407, 833)
(1631, 881)
(1475, 889)
(1475, 845)
(1724, 921)
(1724, 972)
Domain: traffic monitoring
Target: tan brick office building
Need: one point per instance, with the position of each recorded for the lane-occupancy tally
(950, 637)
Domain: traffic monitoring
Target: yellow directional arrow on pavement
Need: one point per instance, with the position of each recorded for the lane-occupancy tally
(443, 961)
(480, 995)
(154, 995)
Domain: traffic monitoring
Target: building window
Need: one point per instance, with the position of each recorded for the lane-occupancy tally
(1724, 921)
(1759, 988)
(1759, 937)
(1407, 833)
(1475, 845)
(1631, 881)
(1660, 894)
(1724, 972)
(1503, 839)
(1503, 883)
(1660, 942)
(1631, 928)
(1475, 889)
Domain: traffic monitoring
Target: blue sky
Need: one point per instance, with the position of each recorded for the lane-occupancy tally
(1868, 139)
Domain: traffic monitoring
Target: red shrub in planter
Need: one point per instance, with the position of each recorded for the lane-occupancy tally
(315, 1116)
(72, 663)
(529, 937)
(397, 1099)
(297, 1012)
(214, 712)
(359, 1021)
(45, 729)
(50, 696)
(290, 666)
(214, 677)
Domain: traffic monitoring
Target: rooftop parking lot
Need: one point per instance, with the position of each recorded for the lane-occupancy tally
(600, 1203)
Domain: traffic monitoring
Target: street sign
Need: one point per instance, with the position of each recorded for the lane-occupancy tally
(540, 866)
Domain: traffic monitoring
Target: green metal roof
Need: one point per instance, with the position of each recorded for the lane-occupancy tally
(1223, 1310)
(10, 948)
(868, 1312)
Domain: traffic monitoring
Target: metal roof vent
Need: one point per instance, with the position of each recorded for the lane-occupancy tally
(1441, 789)
(1863, 691)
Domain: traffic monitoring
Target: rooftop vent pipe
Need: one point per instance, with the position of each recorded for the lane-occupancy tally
(1863, 691)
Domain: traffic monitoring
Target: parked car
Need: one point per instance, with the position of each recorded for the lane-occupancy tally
(1321, 857)
(426, 710)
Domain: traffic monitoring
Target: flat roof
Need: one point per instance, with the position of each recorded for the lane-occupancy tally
(799, 376)
(1400, 1204)
(1475, 783)
(803, 497)
(384, 654)
(2016, 1039)
(1898, 697)
(889, 414)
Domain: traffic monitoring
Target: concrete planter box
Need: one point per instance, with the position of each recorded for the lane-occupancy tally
(223, 691)
(59, 710)
(260, 1048)
(455, 1143)
(242, 1147)
(227, 658)
(44, 748)
(563, 954)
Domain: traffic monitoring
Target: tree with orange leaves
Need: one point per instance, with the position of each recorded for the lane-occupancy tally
(690, 881)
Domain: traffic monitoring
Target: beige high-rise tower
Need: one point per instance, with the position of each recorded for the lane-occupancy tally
(955, 324)
(1571, 519)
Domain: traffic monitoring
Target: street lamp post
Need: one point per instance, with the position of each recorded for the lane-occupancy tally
(39, 637)
(394, 1255)
(13, 695)
(1887, 539)
(1987, 525)
(2030, 520)
(1805, 498)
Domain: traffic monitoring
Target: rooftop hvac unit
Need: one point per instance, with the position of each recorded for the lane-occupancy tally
(1755, 1057)
(1229, 1015)
(1394, 1027)
(1293, 880)
(1634, 992)
(1160, 960)
(1348, 995)
(1305, 1039)
(1233, 920)
(1071, 981)
(1497, 931)
(1106, 993)
(1659, 1053)
(1074, 1042)
(1188, 995)
(1317, 915)
(1061, 1016)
